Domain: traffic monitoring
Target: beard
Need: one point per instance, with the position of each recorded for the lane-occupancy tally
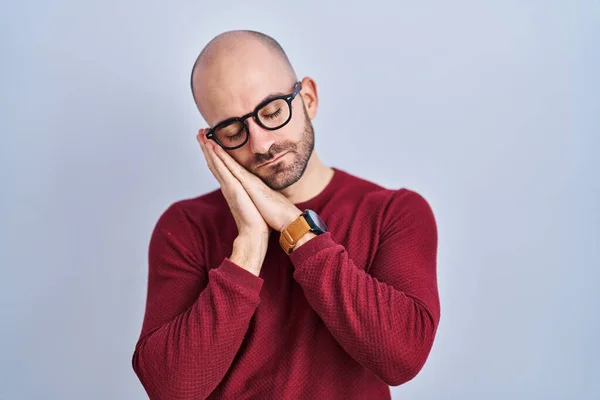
(282, 175)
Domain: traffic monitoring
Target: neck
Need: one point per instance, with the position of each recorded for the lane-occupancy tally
(315, 178)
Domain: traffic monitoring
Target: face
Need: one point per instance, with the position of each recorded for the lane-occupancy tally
(234, 87)
(286, 160)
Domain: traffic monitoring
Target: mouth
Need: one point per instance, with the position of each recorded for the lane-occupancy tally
(276, 159)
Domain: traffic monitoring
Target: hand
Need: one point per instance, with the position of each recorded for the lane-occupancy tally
(253, 232)
(274, 207)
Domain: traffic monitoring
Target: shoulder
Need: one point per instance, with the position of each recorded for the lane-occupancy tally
(408, 212)
(393, 198)
(193, 212)
(182, 227)
(408, 201)
(210, 203)
(355, 183)
(394, 205)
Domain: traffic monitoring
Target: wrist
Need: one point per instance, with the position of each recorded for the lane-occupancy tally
(304, 239)
(249, 253)
(290, 216)
(303, 228)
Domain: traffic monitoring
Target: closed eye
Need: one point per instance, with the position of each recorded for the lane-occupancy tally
(274, 115)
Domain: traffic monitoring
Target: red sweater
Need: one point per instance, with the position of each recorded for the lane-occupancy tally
(347, 314)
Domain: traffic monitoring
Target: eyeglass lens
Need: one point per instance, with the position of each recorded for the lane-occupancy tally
(272, 115)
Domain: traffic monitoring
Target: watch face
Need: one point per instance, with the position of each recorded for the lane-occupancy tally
(316, 223)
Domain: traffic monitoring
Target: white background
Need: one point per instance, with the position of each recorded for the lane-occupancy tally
(491, 110)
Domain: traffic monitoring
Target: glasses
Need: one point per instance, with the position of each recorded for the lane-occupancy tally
(271, 114)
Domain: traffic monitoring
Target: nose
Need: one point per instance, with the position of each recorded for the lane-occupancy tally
(260, 140)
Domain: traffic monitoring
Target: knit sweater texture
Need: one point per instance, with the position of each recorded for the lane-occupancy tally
(345, 316)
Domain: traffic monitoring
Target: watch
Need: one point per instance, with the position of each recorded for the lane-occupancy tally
(308, 221)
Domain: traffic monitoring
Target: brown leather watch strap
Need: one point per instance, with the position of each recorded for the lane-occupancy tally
(293, 233)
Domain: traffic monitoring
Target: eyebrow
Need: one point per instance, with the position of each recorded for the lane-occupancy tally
(271, 95)
(267, 97)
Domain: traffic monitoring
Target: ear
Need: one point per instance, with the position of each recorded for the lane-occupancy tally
(310, 96)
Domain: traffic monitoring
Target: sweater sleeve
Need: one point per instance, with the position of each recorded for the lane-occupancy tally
(195, 319)
(385, 318)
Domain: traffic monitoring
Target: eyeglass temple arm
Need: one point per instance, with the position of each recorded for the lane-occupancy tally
(297, 89)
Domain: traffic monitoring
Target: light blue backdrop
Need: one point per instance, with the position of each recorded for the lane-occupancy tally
(491, 110)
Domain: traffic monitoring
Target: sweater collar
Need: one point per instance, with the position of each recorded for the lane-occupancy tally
(318, 201)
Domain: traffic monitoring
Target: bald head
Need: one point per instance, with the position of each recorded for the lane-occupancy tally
(232, 55)
(237, 72)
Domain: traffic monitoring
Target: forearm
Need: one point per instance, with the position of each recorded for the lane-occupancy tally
(188, 357)
(249, 252)
(383, 328)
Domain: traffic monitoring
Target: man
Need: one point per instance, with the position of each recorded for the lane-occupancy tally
(294, 280)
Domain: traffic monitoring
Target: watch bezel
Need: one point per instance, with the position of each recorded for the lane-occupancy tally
(317, 225)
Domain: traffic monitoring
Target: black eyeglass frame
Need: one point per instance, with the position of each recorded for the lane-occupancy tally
(254, 114)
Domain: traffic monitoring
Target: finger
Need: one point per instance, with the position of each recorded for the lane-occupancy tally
(201, 138)
(201, 141)
(220, 168)
(216, 164)
(233, 166)
(204, 147)
(251, 183)
(209, 156)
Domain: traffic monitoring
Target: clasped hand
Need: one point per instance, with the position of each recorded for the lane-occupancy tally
(255, 206)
